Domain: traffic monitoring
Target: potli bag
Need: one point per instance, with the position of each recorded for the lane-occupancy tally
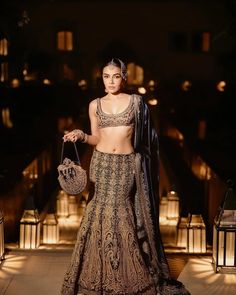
(72, 177)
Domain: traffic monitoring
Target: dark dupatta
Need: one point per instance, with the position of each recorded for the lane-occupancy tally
(146, 146)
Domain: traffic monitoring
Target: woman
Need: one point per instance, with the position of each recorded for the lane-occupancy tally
(118, 248)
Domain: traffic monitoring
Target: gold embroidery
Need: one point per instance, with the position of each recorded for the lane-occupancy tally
(125, 118)
(107, 258)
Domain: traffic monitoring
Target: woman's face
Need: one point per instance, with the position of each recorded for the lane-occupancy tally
(112, 79)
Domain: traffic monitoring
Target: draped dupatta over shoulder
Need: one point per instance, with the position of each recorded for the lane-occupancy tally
(147, 201)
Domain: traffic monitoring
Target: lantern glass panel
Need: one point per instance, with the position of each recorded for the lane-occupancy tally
(163, 209)
(196, 234)
(230, 248)
(62, 204)
(50, 229)
(221, 247)
(73, 206)
(182, 232)
(30, 229)
(173, 205)
(224, 238)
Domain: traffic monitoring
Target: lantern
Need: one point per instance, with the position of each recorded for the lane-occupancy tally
(2, 247)
(173, 206)
(163, 210)
(30, 227)
(224, 233)
(50, 229)
(196, 234)
(182, 233)
(62, 204)
(73, 208)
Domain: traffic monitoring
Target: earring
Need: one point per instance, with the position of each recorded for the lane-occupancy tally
(106, 90)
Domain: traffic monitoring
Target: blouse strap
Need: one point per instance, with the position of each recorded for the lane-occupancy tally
(98, 105)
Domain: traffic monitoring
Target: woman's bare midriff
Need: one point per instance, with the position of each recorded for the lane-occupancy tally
(116, 140)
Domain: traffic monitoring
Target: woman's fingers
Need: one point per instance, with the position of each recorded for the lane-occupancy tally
(73, 135)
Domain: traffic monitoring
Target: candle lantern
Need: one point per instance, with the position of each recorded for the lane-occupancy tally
(224, 233)
(2, 247)
(30, 227)
(73, 207)
(163, 210)
(50, 229)
(62, 204)
(196, 234)
(173, 205)
(182, 233)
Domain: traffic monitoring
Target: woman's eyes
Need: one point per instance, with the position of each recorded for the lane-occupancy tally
(116, 76)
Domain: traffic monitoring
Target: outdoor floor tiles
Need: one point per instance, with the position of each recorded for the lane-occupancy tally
(199, 278)
(33, 272)
(41, 272)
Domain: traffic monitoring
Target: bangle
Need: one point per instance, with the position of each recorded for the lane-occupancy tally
(77, 132)
(85, 138)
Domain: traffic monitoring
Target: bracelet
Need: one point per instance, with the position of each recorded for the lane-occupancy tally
(85, 138)
(77, 132)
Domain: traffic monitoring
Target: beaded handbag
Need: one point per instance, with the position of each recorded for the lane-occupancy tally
(72, 177)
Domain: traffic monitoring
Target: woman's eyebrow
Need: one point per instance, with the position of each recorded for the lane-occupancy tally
(118, 73)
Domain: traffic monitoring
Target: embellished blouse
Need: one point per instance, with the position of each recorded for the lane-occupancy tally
(125, 118)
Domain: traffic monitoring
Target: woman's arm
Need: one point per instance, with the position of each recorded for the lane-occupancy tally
(93, 139)
(78, 134)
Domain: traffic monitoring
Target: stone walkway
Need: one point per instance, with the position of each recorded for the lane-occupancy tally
(41, 271)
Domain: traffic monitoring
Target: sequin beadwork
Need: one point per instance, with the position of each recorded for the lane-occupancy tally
(125, 118)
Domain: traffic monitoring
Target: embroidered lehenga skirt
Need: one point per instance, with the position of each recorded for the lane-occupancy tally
(107, 257)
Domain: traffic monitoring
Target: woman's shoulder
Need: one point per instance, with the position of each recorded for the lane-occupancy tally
(93, 102)
(93, 105)
(138, 99)
(137, 96)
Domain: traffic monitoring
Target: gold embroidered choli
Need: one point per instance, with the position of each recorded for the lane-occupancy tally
(125, 118)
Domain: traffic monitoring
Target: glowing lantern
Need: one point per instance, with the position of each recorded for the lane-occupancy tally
(30, 227)
(2, 247)
(173, 205)
(50, 229)
(196, 234)
(182, 233)
(73, 207)
(224, 233)
(82, 206)
(163, 209)
(62, 204)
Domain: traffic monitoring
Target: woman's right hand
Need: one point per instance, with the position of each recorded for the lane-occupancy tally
(74, 135)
